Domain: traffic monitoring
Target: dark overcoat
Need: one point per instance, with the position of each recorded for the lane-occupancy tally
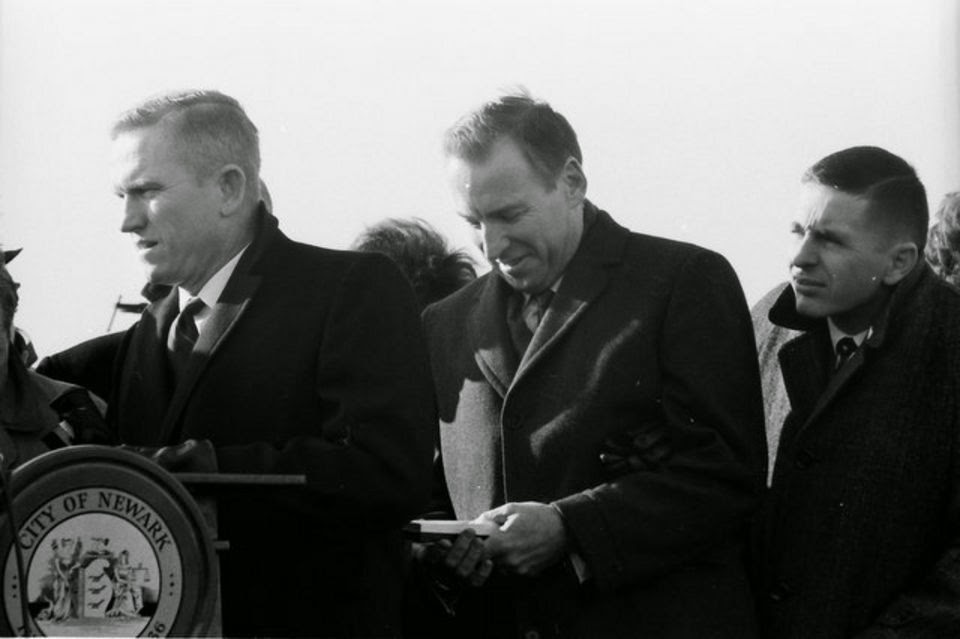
(859, 537)
(312, 362)
(647, 341)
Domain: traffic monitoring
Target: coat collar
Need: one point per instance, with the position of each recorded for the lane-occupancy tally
(805, 360)
(784, 310)
(584, 278)
(487, 327)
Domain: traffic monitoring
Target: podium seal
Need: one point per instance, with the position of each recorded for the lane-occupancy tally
(112, 545)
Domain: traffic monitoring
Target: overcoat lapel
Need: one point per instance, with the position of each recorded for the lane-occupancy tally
(223, 318)
(492, 347)
(584, 279)
(836, 383)
(805, 373)
(803, 365)
(145, 379)
(808, 376)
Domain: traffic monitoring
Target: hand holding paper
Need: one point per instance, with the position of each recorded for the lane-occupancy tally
(530, 538)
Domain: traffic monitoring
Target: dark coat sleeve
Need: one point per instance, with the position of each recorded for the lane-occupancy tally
(88, 364)
(650, 522)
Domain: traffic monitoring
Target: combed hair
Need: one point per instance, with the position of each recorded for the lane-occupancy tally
(422, 253)
(544, 136)
(212, 126)
(886, 180)
(943, 239)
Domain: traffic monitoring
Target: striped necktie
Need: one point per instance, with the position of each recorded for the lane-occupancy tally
(534, 308)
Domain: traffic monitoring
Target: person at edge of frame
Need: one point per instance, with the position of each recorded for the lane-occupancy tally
(860, 362)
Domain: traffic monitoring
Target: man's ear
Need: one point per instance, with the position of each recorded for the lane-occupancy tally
(573, 178)
(903, 258)
(233, 189)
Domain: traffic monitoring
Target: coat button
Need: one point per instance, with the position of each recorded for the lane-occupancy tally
(804, 460)
(780, 591)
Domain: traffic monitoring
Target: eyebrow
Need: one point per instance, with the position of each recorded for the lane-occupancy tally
(136, 185)
(498, 212)
(819, 232)
(828, 234)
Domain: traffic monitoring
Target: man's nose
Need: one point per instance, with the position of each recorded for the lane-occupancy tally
(805, 252)
(134, 216)
(494, 241)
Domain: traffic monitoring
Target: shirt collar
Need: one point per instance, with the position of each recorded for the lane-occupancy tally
(836, 334)
(210, 293)
(553, 288)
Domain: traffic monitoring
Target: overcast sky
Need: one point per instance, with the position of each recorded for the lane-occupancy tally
(696, 117)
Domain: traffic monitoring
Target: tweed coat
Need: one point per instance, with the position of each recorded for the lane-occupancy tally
(647, 341)
(312, 362)
(860, 528)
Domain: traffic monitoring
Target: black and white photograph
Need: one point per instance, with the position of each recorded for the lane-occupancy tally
(502, 319)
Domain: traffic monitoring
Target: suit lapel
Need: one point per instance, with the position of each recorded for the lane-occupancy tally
(492, 347)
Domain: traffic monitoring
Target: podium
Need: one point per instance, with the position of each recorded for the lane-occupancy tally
(111, 544)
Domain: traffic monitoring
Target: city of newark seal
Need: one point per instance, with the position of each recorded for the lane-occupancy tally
(111, 545)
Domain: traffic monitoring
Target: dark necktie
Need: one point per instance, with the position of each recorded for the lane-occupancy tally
(184, 336)
(524, 314)
(846, 347)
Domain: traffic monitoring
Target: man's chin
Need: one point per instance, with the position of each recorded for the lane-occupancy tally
(810, 308)
(158, 277)
(517, 284)
(525, 283)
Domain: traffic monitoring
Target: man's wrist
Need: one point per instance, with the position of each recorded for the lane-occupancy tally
(571, 549)
(568, 544)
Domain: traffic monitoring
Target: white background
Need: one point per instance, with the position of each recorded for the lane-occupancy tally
(696, 117)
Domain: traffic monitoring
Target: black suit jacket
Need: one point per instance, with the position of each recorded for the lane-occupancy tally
(647, 342)
(312, 362)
